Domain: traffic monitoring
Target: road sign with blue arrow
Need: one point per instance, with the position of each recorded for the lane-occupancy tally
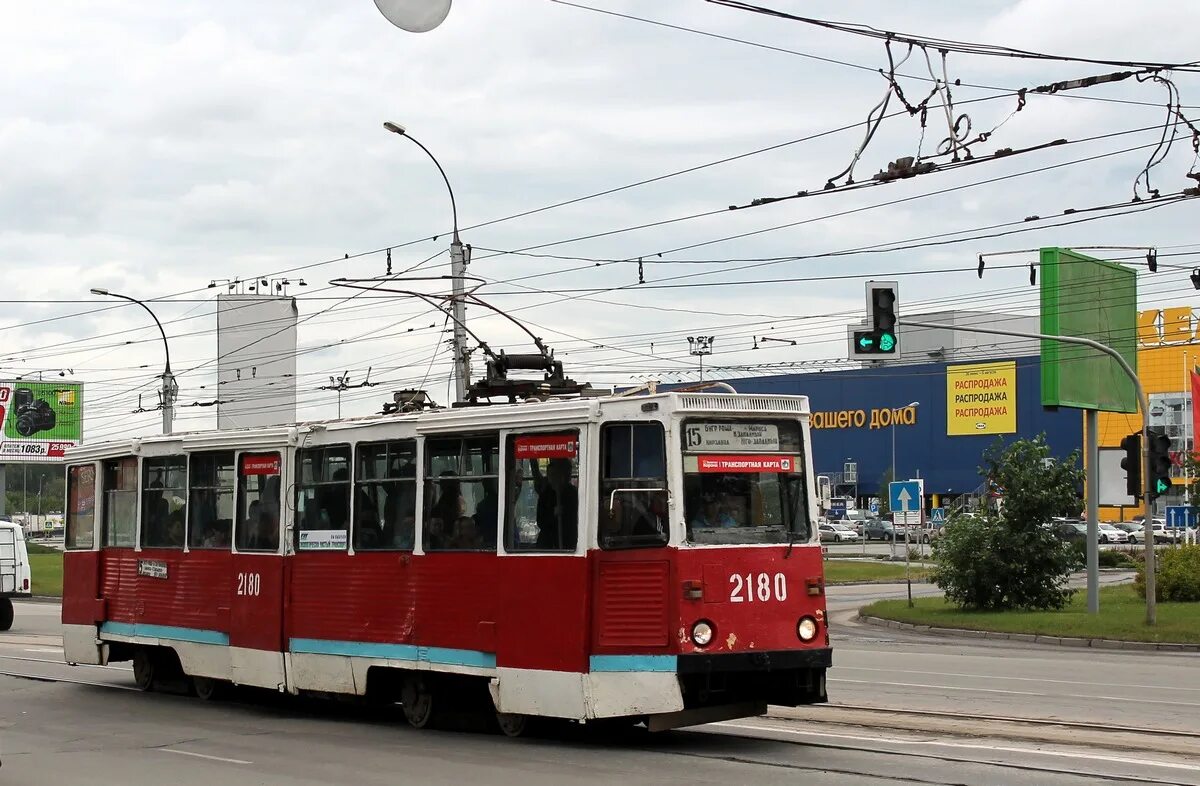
(905, 496)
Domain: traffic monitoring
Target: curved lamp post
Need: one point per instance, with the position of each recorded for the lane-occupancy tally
(458, 270)
(169, 388)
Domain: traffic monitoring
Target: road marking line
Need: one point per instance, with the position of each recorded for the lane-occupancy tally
(43, 650)
(1020, 692)
(1088, 755)
(205, 756)
(1022, 679)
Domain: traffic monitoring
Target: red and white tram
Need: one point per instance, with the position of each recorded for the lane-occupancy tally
(647, 557)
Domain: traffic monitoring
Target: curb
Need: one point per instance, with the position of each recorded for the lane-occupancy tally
(1033, 638)
(866, 582)
(40, 598)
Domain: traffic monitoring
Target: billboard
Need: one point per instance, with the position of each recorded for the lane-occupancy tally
(39, 420)
(256, 361)
(1087, 298)
(981, 398)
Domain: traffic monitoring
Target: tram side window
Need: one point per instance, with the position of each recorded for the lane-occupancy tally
(210, 500)
(258, 502)
(81, 506)
(461, 496)
(542, 509)
(385, 496)
(323, 497)
(120, 502)
(633, 486)
(164, 501)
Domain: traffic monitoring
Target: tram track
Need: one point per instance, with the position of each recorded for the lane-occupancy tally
(837, 736)
(976, 717)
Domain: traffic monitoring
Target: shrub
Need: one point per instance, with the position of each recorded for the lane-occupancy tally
(1111, 558)
(1007, 559)
(1177, 575)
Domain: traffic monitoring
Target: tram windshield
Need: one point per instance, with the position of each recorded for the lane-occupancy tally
(743, 483)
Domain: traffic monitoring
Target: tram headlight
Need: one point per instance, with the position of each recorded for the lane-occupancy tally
(702, 633)
(806, 629)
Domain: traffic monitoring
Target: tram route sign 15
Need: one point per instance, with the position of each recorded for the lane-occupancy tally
(39, 419)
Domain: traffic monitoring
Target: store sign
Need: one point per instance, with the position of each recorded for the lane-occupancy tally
(264, 464)
(1159, 327)
(749, 437)
(745, 463)
(323, 540)
(545, 446)
(981, 398)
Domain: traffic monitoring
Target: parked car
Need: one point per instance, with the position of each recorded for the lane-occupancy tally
(1130, 528)
(833, 532)
(1161, 533)
(932, 531)
(1107, 533)
(878, 529)
(1071, 531)
(856, 520)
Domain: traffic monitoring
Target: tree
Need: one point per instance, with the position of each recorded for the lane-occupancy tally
(1007, 559)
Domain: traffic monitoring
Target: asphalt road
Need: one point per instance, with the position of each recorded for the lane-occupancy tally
(75, 734)
(97, 731)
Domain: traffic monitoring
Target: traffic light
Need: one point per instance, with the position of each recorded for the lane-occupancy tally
(1132, 464)
(1160, 464)
(880, 338)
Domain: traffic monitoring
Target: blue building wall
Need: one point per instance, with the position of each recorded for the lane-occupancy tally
(948, 464)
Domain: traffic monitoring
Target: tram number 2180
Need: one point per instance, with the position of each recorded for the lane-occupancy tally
(249, 584)
(753, 587)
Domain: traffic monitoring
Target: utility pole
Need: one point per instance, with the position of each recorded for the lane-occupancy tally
(460, 257)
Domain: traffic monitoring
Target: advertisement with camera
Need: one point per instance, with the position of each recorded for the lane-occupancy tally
(39, 420)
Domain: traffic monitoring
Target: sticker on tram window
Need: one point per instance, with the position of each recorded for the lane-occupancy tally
(745, 463)
(547, 446)
(757, 587)
(323, 540)
(249, 584)
(267, 464)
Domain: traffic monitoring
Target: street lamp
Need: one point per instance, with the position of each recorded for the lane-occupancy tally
(458, 271)
(906, 406)
(699, 346)
(169, 388)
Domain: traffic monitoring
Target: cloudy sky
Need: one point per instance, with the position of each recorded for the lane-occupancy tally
(153, 148)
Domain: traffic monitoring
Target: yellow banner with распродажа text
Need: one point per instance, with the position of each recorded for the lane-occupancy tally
(981, 398)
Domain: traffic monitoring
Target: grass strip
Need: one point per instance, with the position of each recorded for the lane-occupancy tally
(1122, 616)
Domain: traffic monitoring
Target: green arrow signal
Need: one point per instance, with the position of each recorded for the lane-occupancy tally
(1162, 486)
(866, 341)
(887, 342)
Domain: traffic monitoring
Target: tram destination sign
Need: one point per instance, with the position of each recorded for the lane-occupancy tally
(731, 437)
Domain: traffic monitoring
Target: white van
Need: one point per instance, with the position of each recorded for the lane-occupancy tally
(14, 570)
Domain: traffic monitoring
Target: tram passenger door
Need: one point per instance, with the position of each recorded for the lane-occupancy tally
(544, 572)
(256, 608)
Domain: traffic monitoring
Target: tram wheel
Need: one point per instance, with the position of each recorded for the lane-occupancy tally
(6, 614)
(417, 701)
(144, 666)
(513, 724)
(209, 689)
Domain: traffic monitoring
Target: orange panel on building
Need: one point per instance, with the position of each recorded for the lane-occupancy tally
(1168, 349)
